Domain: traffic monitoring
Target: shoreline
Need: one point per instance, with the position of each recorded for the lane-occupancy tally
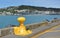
(30, 15)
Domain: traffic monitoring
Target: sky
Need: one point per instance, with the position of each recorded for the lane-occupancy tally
(39, 3)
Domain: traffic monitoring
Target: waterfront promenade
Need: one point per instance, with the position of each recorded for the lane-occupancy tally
(40, 31)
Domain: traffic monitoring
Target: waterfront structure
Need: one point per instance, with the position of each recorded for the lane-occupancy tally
(28, 12)
(39, 30)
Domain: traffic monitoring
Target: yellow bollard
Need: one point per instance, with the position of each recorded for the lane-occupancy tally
(21, 30)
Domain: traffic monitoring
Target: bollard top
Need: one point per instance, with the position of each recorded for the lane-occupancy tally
(21, 19)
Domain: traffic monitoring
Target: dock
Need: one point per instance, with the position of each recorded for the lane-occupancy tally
(40, 30)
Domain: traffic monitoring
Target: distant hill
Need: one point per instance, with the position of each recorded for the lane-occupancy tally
(29, 7)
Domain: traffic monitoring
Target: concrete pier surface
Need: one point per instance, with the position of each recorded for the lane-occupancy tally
(44, 30)
(54, 33)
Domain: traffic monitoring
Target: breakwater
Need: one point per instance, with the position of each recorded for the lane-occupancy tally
(37, 27)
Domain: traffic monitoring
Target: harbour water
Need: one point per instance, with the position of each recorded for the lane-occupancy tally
(30, 19)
